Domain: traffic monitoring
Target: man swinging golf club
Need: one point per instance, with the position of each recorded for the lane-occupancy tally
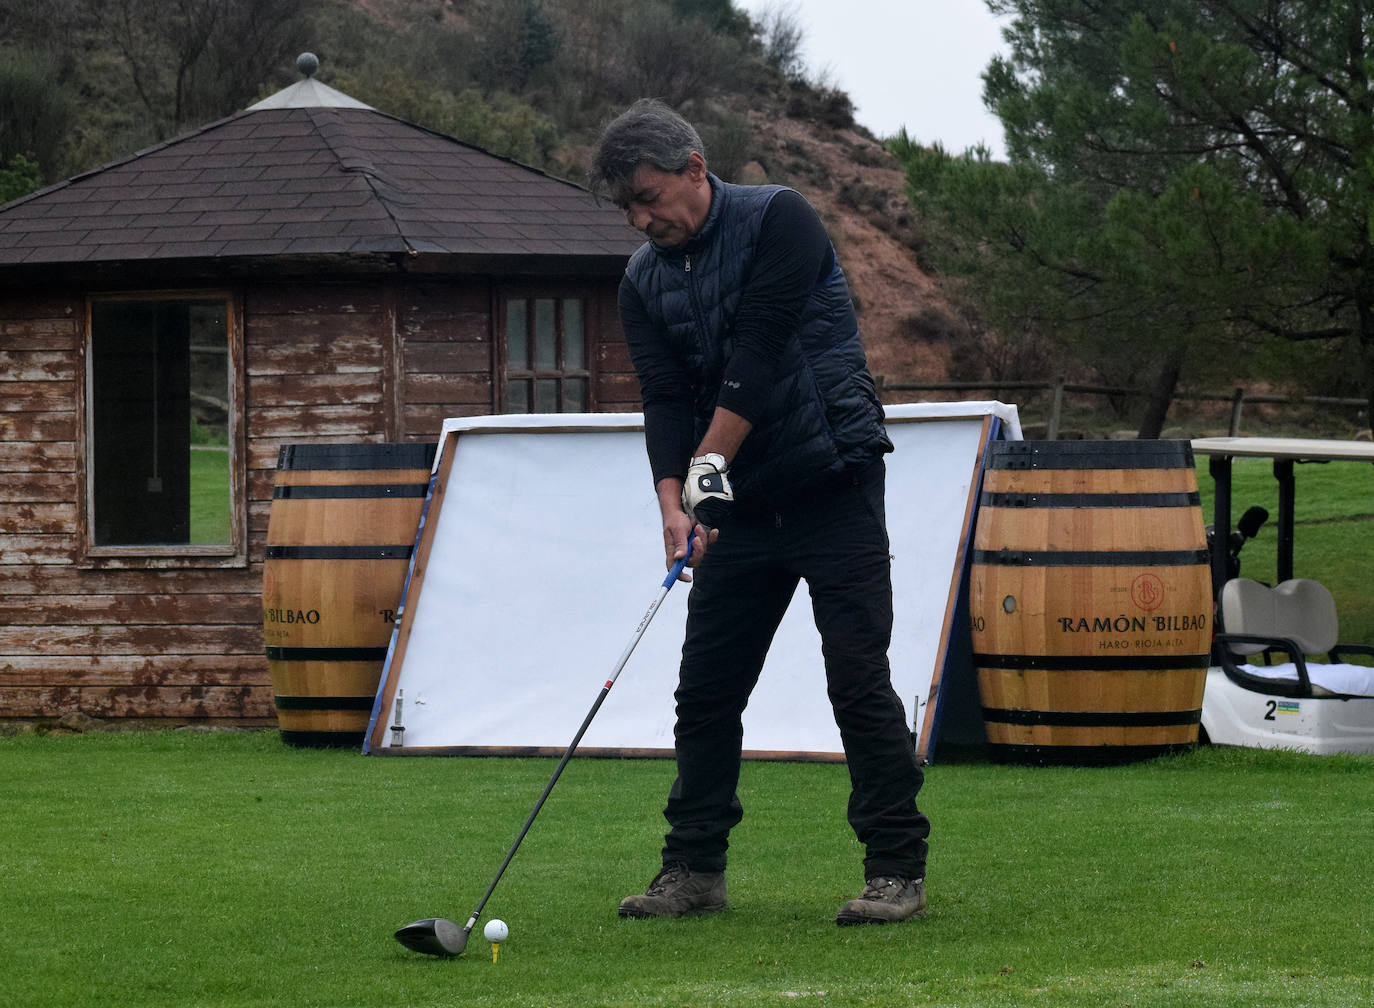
(765, 440)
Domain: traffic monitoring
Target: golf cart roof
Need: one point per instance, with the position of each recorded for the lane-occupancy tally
(1297, 449)
(1285, 452)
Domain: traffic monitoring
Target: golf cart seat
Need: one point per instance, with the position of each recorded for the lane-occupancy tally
(1297, 619)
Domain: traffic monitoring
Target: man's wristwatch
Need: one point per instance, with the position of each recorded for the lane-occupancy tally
(713, 459)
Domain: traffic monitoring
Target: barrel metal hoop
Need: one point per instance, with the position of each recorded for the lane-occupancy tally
(353, 491)
(1092, 663)
(402, 455)
(324, 703)
(392, 552)
(1173, 454)
(1092, 558)
(329, 654)
(1092, 719)
(1089, 500)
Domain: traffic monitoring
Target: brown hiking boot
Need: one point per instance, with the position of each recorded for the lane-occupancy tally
(885, 899)
(677, 891)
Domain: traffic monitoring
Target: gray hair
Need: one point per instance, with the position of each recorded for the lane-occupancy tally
(648, 131)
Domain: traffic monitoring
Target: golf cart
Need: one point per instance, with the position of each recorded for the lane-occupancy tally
(1263, 688)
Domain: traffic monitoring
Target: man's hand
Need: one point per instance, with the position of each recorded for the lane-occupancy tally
(706, 494)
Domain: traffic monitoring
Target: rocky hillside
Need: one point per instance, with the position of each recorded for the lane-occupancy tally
(859, 190)
(907, 315)
(530, 81)
(857, 187)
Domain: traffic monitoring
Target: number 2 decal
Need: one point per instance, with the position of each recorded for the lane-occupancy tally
(1269, 707)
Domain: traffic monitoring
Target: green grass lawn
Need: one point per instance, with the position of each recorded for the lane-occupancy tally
(1333, 538)
(210, 511)
(190, 869)
(183, 868)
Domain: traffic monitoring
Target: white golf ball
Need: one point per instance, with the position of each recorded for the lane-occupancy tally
(495, 931)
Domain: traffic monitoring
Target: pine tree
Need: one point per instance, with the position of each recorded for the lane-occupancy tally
(1185, 179)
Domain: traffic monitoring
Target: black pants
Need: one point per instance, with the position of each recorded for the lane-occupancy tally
(837, 541)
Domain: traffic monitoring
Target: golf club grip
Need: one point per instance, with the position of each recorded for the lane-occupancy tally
(676, 571)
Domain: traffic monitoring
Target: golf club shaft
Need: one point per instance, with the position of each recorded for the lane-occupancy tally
(668, 583)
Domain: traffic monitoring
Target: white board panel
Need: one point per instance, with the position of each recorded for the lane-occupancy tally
(540, 551)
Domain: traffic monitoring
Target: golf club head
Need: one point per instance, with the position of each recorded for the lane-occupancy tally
(434, 936)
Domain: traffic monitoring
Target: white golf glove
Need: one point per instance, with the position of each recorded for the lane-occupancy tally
(707, 495)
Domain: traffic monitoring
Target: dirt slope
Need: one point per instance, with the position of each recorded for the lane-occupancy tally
(859, 190)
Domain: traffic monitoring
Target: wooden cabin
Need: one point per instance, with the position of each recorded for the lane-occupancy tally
(310, 270)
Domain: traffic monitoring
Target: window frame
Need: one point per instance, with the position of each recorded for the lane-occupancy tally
(234, 553)
(559, 294)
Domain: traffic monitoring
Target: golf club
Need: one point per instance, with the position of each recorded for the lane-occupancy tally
(438, 936)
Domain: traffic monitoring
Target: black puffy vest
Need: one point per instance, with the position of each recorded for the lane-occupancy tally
(823, 416)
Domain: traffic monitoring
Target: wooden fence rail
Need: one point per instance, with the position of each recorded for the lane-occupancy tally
(1237, 398)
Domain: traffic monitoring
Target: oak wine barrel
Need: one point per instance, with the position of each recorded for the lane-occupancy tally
(1090, 600)
(339, 539)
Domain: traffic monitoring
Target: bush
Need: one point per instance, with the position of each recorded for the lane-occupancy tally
(820, 103)
(18, 178)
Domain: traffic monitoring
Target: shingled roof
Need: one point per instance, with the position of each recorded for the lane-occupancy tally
(309, 171)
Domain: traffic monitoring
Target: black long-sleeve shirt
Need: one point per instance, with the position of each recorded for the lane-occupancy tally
(792, 256)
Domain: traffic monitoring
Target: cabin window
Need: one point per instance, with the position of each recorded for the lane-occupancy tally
(161, 426)
(546, 356)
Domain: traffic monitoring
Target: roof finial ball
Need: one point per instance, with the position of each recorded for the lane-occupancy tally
(307, 63)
